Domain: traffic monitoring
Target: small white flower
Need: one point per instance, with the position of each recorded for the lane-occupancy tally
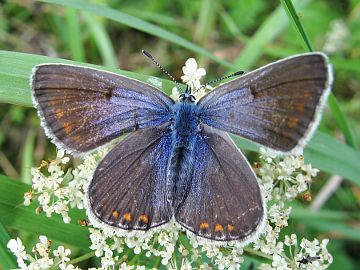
(16, 247)
(192, 74)
(290, 241)
(43, 246)
(311, 248)
(62, 254)
(279, 263)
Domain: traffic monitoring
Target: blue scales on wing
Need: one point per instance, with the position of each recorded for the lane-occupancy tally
(83, 108)
(223, 201)
(128, 189)
(276, 105)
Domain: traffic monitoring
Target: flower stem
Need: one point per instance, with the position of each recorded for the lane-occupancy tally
(257, 253)
(82, 258)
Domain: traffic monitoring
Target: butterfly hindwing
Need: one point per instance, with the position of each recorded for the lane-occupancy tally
(82, 108)
(277, 105)
(224, 200)
(128, 188)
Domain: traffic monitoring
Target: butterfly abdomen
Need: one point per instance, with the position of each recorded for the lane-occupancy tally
(184, 132)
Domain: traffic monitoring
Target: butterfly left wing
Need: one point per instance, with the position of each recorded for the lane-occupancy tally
(128, 188)
(278, 105)
(82, 108)
(224, 202)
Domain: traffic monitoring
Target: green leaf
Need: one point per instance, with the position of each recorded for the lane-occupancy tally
(138, 24)
(7, 260)
(14, 215)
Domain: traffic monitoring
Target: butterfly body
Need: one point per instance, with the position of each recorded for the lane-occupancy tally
(185, 129)
(178, 162)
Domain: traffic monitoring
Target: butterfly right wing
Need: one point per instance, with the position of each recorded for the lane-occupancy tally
(224, 201)
(128, 189)
(278, 105)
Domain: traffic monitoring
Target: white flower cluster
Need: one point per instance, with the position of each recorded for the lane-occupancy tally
(42, 257)
(58, 188)
(284, 178)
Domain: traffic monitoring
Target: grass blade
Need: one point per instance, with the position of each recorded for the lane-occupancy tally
(291, 12)
(74, 35)
(7, 260)
(342, 122)
(102, 40)
(138, 24)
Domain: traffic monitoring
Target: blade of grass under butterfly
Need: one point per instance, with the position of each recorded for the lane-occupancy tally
(15, 215)
(333, 104)
(15, 70)
(138, 24)
(323, 150)
(7, 260)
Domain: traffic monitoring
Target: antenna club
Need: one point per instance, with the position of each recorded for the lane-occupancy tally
(147, 54)
(239, 73)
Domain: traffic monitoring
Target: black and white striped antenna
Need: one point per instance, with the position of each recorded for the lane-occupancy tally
(148, 55)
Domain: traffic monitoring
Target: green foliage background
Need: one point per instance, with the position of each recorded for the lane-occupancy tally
(223, 36)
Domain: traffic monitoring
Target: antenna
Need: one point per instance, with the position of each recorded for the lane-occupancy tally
(237, 73)
(148, 55)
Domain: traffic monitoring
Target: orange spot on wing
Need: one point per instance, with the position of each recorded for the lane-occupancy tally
(219, 228)
(293, 122)
(67, 127)
(306, 95)
(204, 225)
(59, 113)
(230, 228)
(300, 107)
(143, 218)
(115, 214)
(127, 217)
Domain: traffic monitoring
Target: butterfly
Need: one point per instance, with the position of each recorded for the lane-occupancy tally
(178, 160)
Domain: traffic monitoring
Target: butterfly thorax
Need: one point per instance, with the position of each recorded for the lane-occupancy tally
(185, 129)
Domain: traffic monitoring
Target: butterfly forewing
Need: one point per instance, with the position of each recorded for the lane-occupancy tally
(277, 105)
(82, 108)
(224, 202)
(128, 189)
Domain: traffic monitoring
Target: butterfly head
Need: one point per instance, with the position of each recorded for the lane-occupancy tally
(187, 97)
